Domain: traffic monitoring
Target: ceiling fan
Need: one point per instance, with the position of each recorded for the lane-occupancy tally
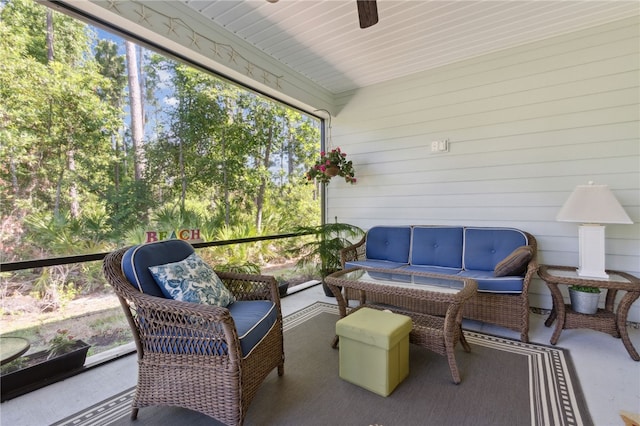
(367, 12)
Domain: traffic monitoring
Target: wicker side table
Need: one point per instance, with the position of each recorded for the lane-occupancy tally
(604, 320)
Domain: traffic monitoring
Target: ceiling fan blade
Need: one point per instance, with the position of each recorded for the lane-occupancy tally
(367, 12)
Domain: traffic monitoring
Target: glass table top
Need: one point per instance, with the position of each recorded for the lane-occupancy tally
(406, 280)
(12, 347)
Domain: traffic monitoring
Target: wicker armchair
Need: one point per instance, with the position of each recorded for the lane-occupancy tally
(190, 355)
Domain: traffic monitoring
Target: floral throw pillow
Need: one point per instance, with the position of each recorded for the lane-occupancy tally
(192, 280)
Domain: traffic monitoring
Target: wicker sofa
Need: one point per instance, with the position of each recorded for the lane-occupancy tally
(474, 252)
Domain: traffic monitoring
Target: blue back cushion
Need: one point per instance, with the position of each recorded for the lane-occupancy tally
(389, 243)
(136, 262)
(437, 246)
(484, 248)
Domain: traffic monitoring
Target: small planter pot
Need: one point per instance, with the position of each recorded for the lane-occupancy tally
(327, 290)
(332, 171)
(282, 289)
(584, 303)
(40, 371)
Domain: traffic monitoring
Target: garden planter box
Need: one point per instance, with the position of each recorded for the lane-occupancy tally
(40, 371)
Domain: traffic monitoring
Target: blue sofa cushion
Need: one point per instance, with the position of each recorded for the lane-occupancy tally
(437, 246)
(387, 276)
(490, 284)
(192, 280)
(432, 269)
(484, 248)
(380, 264)
(136, 262)
(253, 319)
(390, 243)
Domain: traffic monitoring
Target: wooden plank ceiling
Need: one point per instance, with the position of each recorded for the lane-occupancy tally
(322, 39)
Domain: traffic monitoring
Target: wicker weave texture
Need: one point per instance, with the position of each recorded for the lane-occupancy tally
(503, 309)
(607, 320)
(189, 355)
(439, 334)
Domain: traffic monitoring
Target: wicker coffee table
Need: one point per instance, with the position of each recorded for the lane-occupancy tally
(439, 334)
(605, 320)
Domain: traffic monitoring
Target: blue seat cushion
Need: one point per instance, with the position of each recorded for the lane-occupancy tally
(253, 319)
(389, 276)
(380, 264)
(437, 246)
(136, 262)
(488, 283)
(432, 269)
(484, 248)
(390, 243)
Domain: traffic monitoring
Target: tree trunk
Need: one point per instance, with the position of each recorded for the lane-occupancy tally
(290, 156)
(116, 166)
(56, 206)
(74, 208)
(225, 176)
(50, 51)
(263, 182)
(184, 107)
(135, 103)
(183, 173)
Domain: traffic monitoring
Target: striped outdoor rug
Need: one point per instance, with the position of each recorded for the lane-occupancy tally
(504, 382)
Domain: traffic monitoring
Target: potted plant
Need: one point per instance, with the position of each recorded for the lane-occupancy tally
(584, 299)
(64, 358)
(323, 249)
(332, 164)
(283, 286)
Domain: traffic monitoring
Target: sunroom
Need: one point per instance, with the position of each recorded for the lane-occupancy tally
(484, 114)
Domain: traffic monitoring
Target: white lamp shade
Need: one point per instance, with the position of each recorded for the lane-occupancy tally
(592, 204)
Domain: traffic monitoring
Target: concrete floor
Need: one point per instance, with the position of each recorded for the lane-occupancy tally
(609, 378)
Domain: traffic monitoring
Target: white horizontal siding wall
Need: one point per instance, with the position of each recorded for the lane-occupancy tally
(525, 126)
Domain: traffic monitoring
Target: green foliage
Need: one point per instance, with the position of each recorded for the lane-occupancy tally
(242, 268)
(585, 289)
(332, 164)
(238, 254)
(63, 235)
(110, 322)
(16, 364)
(323, 247)
(60, 344)
(55, 287)
(216, 157)
(127, 206)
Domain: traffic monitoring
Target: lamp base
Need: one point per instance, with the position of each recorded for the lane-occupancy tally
(591, 246)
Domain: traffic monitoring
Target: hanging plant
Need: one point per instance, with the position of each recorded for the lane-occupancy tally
(332, 164)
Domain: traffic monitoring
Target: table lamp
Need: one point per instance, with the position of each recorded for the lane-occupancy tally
(592, 205)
